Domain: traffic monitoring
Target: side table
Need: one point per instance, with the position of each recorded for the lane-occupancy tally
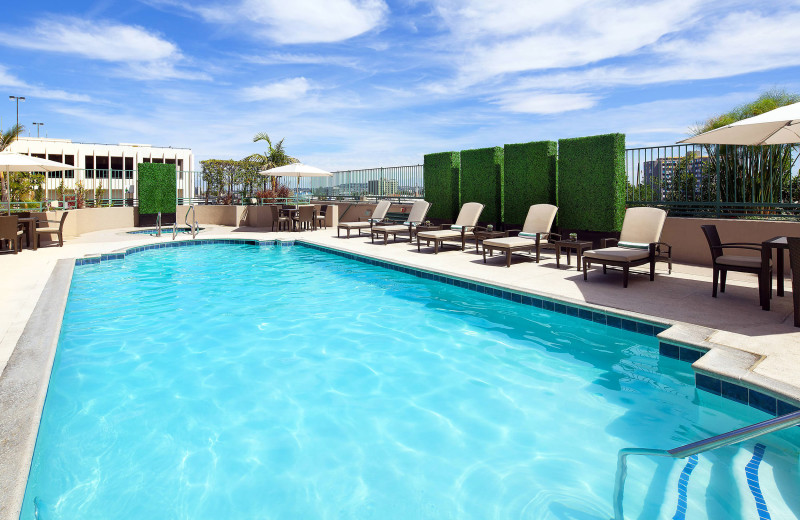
(579, 246)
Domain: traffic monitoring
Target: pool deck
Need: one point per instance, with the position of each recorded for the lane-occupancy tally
(746, 344)
(733, 321)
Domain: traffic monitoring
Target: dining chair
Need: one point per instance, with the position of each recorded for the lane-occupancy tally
(304, 218)
(722, 263)
(58, 231)
(9, 230)
(277, 218)
(320, 218)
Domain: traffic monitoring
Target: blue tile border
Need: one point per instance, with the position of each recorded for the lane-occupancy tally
(679, 352)
(744, 395)
(105, 257)
(751, 474)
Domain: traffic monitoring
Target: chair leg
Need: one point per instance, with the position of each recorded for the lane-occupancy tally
(715, 281)
(796, 298)
(508, 256)
(60, 240)
(652, 269)
(604, 268)
(723, 277)
(625, 270)
(484, 254)
(585, 267)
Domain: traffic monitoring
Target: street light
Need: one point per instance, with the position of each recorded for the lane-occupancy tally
(38, 125)
(18, 98)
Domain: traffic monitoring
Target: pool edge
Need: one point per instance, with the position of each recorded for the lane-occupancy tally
(24, 384)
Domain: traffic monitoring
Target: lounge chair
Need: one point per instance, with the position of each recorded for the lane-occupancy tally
(794, 261)
(9, 230)
(51, 230)
(638, 244)
(278, 219)
(415, 217)
(722, 263)
(535, 232)
(377, 216)
(466, 221)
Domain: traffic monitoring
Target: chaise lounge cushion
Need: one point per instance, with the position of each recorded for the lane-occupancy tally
(357, 225)
(509, 242)
(439, 234)
(617, 254)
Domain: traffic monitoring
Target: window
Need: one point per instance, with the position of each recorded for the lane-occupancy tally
(159, 161)
(129, 167)
(101, 167)
(89, 172)
(56, 158)
(116, 167)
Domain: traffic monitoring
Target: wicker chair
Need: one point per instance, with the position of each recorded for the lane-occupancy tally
(277, 218)
(9, 230)
(49, 230)
(722, 263)
(320, 218)
(794, 261)
(305, 218)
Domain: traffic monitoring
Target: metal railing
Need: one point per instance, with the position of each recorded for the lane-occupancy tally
(718, 181)
(158, 224)
(193, 225)
(695, 448)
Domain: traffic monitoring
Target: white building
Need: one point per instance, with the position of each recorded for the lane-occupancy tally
(105, 166)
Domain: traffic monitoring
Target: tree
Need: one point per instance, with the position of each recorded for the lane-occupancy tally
(274, 156)
(6, 138)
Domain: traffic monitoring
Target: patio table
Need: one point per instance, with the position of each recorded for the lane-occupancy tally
(31, 224)
(780, 244)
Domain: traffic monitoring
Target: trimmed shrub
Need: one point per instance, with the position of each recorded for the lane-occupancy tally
(157, 188)
(482, 181)
(591, 182)
(530, 176)
(441, 173)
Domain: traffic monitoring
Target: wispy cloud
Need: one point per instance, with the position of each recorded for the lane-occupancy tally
(545, 103)
(293, 88)
(7, 79)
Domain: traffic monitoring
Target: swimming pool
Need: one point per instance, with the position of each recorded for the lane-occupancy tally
(164, 231)
(292, 383)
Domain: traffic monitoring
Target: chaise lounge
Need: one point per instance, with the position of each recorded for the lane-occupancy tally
(466, 221)
(638, 244)
(377, 216)
(415, 217)
(535, 232)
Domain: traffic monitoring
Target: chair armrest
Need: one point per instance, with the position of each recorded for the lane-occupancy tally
(557, 235)
(604, 242)
(665, 245)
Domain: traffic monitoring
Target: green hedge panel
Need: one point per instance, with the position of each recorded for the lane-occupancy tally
(441, 174)
(158, 188)
(482, 181)
(591, 182)
(530, 176)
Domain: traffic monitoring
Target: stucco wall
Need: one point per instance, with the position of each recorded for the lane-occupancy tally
(80, 221)
(689, 244)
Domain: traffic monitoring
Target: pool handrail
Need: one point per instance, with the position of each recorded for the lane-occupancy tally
(158, 224)
(681, 452)
(193, 225)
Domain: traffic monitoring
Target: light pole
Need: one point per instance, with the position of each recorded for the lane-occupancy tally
(38, 125)
(18, 98)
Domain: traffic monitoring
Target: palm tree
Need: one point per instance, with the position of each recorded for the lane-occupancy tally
(275, 156)
(6, 138)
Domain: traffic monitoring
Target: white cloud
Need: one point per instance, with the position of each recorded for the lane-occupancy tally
(297, 21)
(282, 58)
(293, 88)
(545, 103)
(100, 40)
(36, 91)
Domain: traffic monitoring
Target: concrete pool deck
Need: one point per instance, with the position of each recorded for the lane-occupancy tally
(746, 344)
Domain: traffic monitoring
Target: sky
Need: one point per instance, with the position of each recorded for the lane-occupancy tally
(366, 83)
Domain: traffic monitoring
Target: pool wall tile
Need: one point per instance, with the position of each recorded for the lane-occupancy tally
(708, 383)
(733, 392)
(763, 402)
(669, 350)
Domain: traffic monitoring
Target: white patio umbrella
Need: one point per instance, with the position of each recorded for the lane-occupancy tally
(17, 162)
(296, 170)
(779, 126)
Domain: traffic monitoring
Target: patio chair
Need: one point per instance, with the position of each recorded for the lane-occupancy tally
(321, 214)
(722, 263)
(415, 217)
(305, 218)
(466, 221)
(638, 244)
(277, 218)
(377, 216)
(794, 262)
(535, 232)
(9, 230)
(49, 230)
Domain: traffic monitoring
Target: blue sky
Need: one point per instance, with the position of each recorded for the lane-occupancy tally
(363, 83)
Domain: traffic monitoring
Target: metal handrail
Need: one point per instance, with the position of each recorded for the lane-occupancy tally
(193, 225)
(158, 224)
(694, 448)
(174, 230)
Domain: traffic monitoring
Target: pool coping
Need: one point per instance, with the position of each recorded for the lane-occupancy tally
(23, 387)
(721, 370)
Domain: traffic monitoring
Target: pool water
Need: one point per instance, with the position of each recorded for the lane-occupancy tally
(165, 230)
(294, 383)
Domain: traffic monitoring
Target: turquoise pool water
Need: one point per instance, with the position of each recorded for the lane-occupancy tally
(293, 383)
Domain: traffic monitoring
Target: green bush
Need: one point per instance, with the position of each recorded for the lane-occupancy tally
(482, 181)
(530, 177)
(441, 174)
(157, 188)
(591, 182)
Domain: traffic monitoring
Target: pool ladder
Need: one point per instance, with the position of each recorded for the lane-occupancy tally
(158, 224)
(193, 226)
(695, 448)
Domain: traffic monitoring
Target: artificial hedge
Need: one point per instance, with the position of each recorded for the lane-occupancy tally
(482, 181)
(530, 176)
(591, 182)
(441, 174)
(158, 188)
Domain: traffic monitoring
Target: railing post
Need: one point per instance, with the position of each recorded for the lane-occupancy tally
(717, 209)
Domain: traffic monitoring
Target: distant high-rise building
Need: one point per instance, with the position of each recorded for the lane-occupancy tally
(382, 186)
(660, 172)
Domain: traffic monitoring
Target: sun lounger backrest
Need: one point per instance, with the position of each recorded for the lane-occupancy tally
(380, 210)
(469, 214)
(540, 218)
(418, 212)
(642, 226)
